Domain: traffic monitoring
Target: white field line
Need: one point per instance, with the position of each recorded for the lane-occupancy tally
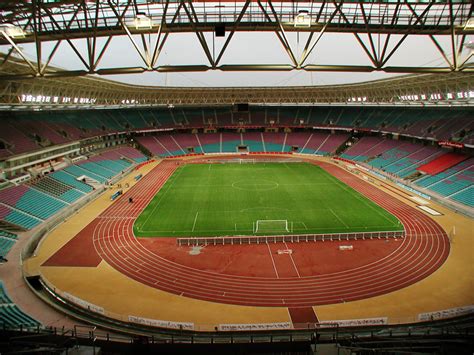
(339, 219)
(195, 219)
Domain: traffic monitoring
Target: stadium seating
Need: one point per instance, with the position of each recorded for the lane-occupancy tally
(132, 153)
(430, 180)
(314, 142)
(98, 168)
(465, 196)
(406, 166)
(442, 163)
(45, 128)
(309, 143)
(17, 141)
(7, 240)
(448, 129)
(230, 141)
(11, 316)
(454, 183)
(211, 143)
(257, 117)
(254, 141)
(187, 141)
(57, 189)
(28, 205)
(367, 147)
(296, 139)
(274, 142)
(334, 141)
(152, 145)
(68, 179)
(170, 145)
(78, 171)
(31, 201)
(18, 218)
(4, 152)
(387, 160)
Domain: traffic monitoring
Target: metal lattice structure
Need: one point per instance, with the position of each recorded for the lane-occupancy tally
(379, 28)
(83, 92)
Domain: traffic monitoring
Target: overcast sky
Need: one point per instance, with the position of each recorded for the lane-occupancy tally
(250, 48)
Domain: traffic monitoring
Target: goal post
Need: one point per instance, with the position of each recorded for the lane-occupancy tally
(272, 226)
(246, 161)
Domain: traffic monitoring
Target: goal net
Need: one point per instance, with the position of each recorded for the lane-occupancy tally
(272, 226)
(247, 161)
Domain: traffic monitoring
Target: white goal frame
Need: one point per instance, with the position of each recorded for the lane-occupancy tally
(288, 225)
(246, 161)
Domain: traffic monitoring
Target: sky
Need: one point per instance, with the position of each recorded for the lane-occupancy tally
(250, 48)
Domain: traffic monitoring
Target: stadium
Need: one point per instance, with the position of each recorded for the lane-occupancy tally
(236, 176)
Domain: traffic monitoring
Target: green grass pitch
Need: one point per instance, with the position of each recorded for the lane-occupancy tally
(228, 199)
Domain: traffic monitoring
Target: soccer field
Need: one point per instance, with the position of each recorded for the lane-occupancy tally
(258, 199)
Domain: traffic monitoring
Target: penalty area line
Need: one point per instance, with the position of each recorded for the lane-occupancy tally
(195, 219)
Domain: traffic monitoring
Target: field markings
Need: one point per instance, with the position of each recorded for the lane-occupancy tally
(162, 196)
(291, 257)
(339, 219)
(195, 219)
(273, 261)
(357, 195)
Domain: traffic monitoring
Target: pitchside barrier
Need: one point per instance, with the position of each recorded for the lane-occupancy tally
(231, 240)
(252, 160)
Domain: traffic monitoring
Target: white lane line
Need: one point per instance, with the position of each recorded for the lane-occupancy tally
(294, 265)
(195, 219)
(273, 262)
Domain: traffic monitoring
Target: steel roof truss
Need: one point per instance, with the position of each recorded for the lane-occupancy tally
(193, 18)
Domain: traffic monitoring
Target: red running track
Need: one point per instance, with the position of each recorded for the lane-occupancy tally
(422, 251)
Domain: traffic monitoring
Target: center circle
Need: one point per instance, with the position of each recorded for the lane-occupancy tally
(255, 185)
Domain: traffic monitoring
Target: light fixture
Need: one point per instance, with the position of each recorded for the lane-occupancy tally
(11, 30)
(303, 19)
(469, 45)
(142, 21)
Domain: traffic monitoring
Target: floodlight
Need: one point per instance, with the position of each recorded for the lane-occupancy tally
(11, 30)
(142, 21)
(303, 19)
(469, 45)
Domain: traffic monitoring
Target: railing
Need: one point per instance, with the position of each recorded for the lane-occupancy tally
(446, 327)
(296, 238)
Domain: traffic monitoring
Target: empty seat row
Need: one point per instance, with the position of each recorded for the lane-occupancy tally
(78, 171)
(18, 218)
(11, 316)
(62, 191)
(71, 180)
(5, 245)
(39, 204)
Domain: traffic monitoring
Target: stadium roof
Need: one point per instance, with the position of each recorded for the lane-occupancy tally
(95, 92)
(54, 51)
(379, 29)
